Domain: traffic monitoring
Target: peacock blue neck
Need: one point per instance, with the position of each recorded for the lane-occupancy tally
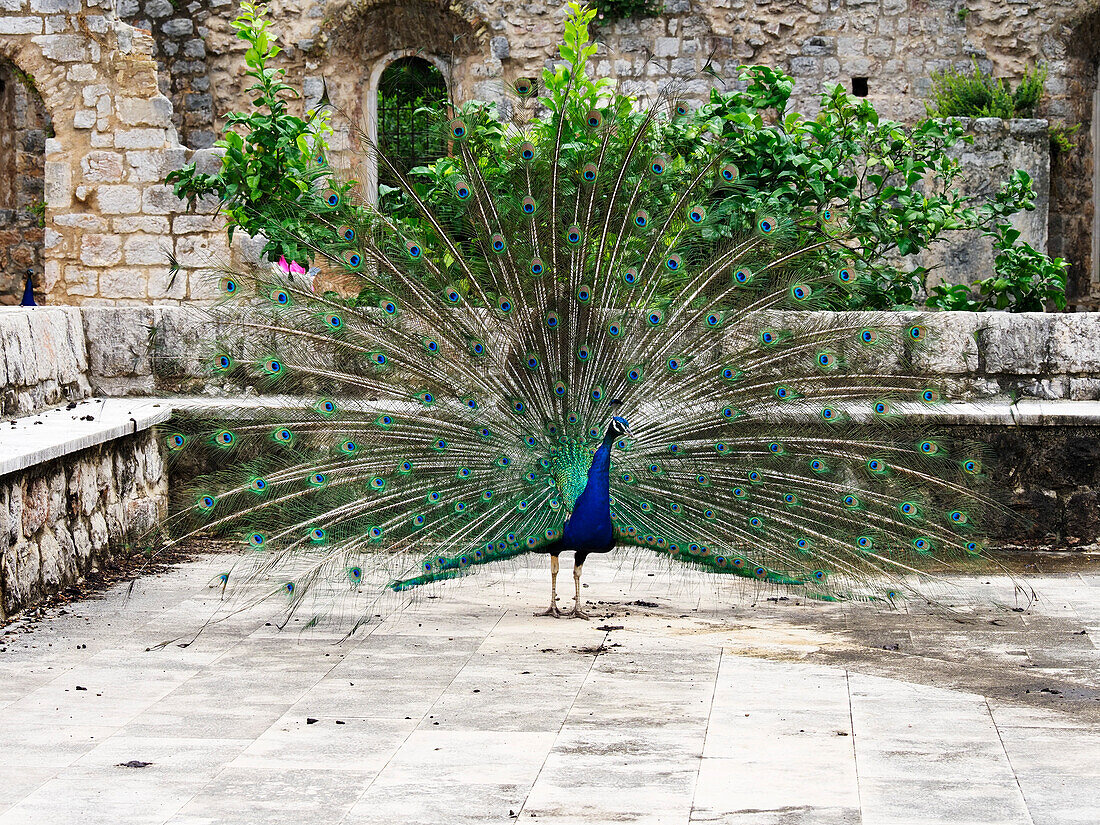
(589, 528)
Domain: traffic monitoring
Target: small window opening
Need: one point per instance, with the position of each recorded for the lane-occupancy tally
(859, 86)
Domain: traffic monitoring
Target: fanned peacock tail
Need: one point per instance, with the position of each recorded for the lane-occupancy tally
(447, 417)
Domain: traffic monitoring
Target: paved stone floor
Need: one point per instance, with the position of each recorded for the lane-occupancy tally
(466, 708)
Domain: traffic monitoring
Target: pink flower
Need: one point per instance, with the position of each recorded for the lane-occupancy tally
(291, 268)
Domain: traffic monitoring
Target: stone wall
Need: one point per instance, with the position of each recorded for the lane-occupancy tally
(109, 219)
(54, 354)
(65, 518)
(119, 95)
(1050, 464)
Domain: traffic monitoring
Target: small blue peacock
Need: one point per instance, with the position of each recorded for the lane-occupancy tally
(580, 343)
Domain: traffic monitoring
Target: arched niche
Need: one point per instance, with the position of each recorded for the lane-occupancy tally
(379, 73)
(25, 125)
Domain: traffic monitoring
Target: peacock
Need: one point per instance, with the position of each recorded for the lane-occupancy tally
(573, 343)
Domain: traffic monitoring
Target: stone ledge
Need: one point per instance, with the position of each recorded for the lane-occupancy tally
(36, 439)
(1024, 413)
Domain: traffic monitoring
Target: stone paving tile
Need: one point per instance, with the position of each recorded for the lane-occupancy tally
(468, 709)
(953, 800)
(35, 744)
(365, 745)
(261, 796)
(776, 782)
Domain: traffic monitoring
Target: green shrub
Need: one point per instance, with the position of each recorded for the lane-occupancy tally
(608, 11)
(976, 94)
(1024, 280)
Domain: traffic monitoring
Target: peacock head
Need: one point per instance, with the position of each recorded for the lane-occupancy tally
(619, 427)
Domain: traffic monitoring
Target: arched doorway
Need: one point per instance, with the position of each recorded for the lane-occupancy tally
(24, 127)
(405, 91)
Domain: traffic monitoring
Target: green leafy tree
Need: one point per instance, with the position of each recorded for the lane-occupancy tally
(273, 161)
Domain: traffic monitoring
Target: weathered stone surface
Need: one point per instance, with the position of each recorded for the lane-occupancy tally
(1016, 343)
(122, 341)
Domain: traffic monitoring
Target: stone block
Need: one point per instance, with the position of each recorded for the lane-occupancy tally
(208, 161)
(806, 66)
(100, 166)
(123, 282)
(164, 284)
(158, 9)
(202, 285)
(146, 250)
(84, 119)
(160, 200)
(118, 343)
(150, 224)
(97, 525)
(118, 199)
(83, 488)
(21, 25)
(62, 48)
(178, 27)
(82, 545)
(194, 49)
(500, 48)
(81, 282)
(36, 505)
(1014, 343)
(186, 224)
(55, 6)
(20, 355)
(202, 250)
(152, 111)
(952, 346)
(1075, 342)
(53, 565)
(20, 575)
(100, 250)
(666, 47)
(58, 182)
(141, 138)
(152, 166)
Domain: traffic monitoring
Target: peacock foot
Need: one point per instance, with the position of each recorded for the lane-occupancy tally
(552, 610)
(577, 613)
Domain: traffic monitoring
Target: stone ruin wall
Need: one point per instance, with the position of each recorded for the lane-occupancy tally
(125, 101)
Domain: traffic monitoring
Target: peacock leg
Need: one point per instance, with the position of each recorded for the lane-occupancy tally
(577, 612)
(553, 609)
